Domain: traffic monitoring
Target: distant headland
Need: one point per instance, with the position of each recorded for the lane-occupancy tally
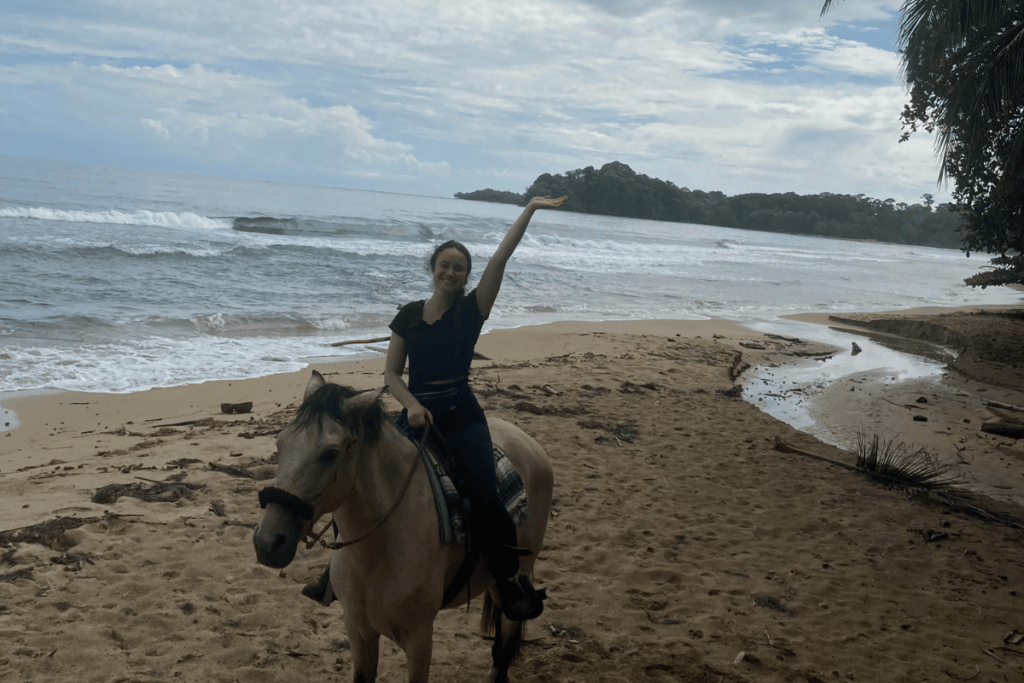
(616, 190)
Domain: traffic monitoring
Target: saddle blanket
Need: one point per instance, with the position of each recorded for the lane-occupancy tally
(449, 503)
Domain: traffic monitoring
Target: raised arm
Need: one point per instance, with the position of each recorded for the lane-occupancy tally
(490, 281)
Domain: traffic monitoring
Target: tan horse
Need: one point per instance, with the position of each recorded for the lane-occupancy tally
(342, 455)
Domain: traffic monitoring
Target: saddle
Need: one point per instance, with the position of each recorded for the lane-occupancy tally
(452, 508)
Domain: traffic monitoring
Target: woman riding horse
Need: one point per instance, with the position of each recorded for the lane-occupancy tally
(437, 337)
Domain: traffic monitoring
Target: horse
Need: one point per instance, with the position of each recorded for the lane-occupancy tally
(343, 455)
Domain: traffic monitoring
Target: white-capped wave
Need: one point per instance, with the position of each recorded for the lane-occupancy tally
(583, 245)
(137, 365)
(161, 219)
(332, 324)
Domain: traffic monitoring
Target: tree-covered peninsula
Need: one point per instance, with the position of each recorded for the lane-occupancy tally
(616, 190)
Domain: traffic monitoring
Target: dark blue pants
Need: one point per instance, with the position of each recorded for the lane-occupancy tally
(459, 418)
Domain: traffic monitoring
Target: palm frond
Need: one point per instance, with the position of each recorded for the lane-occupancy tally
(826, 7)
(916, 472)
(972, 53)
(895, 464)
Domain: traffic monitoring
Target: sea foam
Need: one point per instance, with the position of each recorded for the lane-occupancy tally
(163, 219)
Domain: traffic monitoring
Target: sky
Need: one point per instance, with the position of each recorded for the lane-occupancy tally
(433, 98)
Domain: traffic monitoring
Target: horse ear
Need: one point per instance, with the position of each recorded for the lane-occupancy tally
(364, 415)
(315, 382)
(362, 400)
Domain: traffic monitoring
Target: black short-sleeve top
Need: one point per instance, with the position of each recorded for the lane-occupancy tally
(442, 350)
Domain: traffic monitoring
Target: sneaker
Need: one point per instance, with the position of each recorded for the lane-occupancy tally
(519, 600)
(317, 591)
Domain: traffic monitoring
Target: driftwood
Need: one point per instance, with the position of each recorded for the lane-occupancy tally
(784, 447)
(375, 340)
(205, 421)
(1004, 406)
(1014, 430)
(361, 341)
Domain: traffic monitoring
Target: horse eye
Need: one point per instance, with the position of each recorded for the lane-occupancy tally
(330, 455)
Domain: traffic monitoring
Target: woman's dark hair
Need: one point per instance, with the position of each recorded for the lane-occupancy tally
(431, 262)
(459, 310)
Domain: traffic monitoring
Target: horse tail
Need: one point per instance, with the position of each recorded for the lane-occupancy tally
(507, 646)
(489, 616)
(514, 644)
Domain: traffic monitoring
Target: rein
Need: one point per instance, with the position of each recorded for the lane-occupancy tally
(294, 504)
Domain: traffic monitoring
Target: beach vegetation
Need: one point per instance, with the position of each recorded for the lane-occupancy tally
(617, 190)
(496, 196)
(919, 474)
(963, 66)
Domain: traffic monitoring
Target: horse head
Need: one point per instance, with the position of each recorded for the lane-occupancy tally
(317, 458)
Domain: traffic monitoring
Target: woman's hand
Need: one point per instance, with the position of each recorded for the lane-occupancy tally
(546, 202)
(419, 416)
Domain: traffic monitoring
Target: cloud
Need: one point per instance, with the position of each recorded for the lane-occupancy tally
(157, 128)
(816, 48)
(436, 97)
(197, 111)
(857, 59)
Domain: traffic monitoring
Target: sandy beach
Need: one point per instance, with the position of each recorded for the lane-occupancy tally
(683, 545)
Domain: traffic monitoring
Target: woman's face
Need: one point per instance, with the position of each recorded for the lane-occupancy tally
(450, 271)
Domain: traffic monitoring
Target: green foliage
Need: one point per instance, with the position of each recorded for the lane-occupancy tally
(963, 64)
(616, 190)
(497, 196)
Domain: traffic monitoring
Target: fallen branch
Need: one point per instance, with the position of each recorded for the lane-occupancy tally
(915, 471)
(1004, 406)
(1014, 430)
(361, 341)
(904, 405)
(782, 446)
(202, 421)
(375, 340)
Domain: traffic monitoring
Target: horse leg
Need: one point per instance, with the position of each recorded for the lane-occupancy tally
(508, 637)
(365, 654)
(419, 648)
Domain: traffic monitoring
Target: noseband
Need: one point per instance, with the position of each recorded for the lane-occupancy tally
(289, 501)
(305, 510)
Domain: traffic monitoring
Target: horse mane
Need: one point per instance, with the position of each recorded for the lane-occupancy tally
(328, 401)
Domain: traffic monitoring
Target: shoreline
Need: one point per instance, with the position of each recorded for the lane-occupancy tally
(842, 399)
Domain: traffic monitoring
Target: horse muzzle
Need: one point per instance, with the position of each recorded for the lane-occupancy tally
(277, 536)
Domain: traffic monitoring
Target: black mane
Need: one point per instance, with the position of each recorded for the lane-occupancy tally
(327, 401)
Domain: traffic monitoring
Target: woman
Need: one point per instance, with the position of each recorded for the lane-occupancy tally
(437, 337)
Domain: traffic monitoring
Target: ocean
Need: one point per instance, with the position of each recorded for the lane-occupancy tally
(116, 280)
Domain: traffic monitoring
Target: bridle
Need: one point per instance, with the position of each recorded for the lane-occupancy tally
(305, 510)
